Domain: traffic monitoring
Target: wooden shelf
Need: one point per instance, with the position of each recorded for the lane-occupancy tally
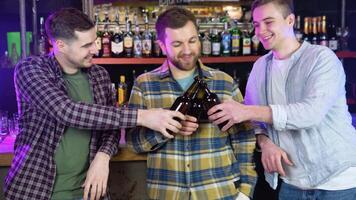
(346, 54)
(207, 60)
(351, 101)
(145, 61)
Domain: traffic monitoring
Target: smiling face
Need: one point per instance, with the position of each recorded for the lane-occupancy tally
(78, 52)
(182, 46)
(271, 27)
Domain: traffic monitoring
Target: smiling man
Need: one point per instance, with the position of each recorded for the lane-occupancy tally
(297, 92)
(69, 126)
(200, 162)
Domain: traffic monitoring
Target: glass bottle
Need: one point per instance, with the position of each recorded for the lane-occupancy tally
(226, 41)
(206, 45)
(210, 100)
(323, 36)
(128, 40)
(117, 43)
(42, 39)
(121, 91)
(146, 40)
(215, 43)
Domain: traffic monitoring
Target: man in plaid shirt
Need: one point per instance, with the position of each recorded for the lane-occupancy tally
(68, 122)
(200, 162)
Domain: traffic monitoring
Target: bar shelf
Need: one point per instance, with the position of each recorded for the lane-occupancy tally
(206, 60)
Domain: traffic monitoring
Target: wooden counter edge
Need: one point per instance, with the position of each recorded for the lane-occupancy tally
(124, 155)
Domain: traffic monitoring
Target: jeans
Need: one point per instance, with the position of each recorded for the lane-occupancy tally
(289, 192)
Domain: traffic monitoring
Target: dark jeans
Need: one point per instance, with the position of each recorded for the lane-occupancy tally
(289, 192)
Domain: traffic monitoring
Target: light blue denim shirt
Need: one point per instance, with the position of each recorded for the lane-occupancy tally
(316, 112)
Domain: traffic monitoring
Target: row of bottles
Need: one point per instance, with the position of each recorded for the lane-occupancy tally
(230, 42)
(127, 43)
(316, 31)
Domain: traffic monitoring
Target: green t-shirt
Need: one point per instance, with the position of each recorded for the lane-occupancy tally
(72, 154)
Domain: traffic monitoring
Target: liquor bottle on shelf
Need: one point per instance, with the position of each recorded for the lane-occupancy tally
(98, 39)
(314, 36)
(137, 41)
(14, 56)
(128, 40)
(121, 91)
(323, 36)
(114, 91)
(306, 34)
(117, 44)
(215, 43)
(297, 29)
(146, 40)
(226, 41)
(156, 48)
(246, 43)
(333, 39)
(235, 41)
(106, 42)
(42, 39)
(255, 45)
(206, 44)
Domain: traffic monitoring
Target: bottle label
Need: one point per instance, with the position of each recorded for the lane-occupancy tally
(98, 43)
(128, 42)
(216, 48)
(333, 45)
(146, 46)
(246, 46)
(235, 43)
(137, 47)
(206, 47)
(226, 45)
(117, 48)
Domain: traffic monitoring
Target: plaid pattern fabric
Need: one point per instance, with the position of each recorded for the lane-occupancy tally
(45, 111)
(209, 164)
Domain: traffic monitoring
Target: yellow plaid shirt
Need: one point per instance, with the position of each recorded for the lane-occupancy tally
(209, 164)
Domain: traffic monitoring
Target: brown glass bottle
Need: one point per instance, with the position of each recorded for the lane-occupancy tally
(184, 102)
(210, 100)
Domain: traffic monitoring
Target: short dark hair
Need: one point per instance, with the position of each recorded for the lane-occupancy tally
(174, 18)
(286, 6)
(63, 23)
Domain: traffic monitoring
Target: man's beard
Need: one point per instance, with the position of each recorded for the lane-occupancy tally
(180, 64)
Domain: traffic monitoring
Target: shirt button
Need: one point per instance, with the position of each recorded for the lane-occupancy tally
(188, 165)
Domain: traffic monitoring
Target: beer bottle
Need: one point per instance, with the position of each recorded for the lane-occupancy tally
(210, 100)
(184, 102)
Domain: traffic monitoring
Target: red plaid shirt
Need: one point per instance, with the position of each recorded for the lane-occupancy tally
(45, 111)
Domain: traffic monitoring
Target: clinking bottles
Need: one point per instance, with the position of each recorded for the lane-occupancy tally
(184, 102)
(196, 101)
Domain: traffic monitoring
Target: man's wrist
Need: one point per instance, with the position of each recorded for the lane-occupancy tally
(103, 156)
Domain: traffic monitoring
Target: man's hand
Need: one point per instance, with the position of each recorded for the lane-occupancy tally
(160, 120)
(272, 156)
(189, 125)
(230, 111)
(97, 177)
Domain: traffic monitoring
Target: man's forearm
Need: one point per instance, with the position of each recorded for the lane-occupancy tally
(259, 113)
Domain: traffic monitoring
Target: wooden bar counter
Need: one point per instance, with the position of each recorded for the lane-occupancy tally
(6, 153)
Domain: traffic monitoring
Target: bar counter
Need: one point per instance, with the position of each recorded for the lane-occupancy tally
(6, 153)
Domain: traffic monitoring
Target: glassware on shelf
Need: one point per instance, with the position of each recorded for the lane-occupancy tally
(4, 126)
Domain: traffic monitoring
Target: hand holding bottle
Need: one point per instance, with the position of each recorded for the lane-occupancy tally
(189, 125)
(160, 120)
(231, 111)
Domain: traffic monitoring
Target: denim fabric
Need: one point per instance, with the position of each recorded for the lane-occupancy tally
(289, 192)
